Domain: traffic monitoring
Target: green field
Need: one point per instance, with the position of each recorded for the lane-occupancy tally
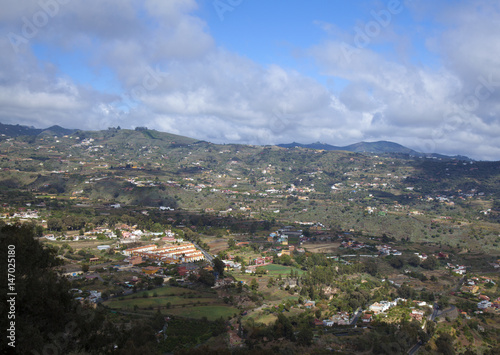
(183, 302)
(210, 312)
(263, 318)
(275, 270)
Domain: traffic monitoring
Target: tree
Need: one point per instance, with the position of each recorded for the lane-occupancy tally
(305, 336)
(219, 266)
(283, 328)
(231, 243)
(317, 313)
(414, 260)
(371, 267)
(286, 260)
(254, 285)
(207, 277)
(85, 267)
(445, 344)
(396, 262)
(270, 282)
(443, 302)
(54, 224)
(47, 316)
(158, 281)
(430, 263)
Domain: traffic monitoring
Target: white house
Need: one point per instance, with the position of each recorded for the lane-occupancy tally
(484, 304)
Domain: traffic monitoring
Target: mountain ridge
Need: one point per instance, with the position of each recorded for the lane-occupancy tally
(378, 147)
(22, 130)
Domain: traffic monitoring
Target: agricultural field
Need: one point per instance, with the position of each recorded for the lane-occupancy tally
(274, 270)
(175, 301)
(326, 248)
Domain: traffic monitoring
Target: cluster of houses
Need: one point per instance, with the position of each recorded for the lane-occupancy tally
(417, 314)
(282, 235)
(486, 303)
(261, 261)
(382, 306)
(231, 264)
(93, 297)
(472, 286)
(496, 264)
(386, 250)
(169, 253)
(128, 233)
(457, 269)
(341, 318)
(23, 214)
(351, 244)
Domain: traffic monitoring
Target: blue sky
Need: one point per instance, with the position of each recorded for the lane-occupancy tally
(422, 73)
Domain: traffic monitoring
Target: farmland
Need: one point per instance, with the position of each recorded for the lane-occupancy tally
(174, 301)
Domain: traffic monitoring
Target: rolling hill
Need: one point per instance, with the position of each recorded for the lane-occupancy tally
(380, 147)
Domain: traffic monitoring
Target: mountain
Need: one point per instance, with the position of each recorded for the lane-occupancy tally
(380, 147)
(317, 145)
(361, 147)
(58, 131)
(19, 130)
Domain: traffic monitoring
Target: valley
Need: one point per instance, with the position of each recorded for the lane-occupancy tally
(324, 250)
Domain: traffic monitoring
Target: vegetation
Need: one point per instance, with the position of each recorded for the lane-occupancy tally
(360, 228)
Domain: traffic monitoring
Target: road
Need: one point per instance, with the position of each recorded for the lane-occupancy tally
(449, 310)
(415, 348)
(432, 317)
(209, 257)
(358, 313)
(435, 312)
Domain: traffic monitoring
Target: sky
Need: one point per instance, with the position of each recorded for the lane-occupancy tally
(422, 73)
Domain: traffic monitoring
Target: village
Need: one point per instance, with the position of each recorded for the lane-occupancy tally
(347, 248)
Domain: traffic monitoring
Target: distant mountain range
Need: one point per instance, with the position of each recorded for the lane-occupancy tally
(380, 147)
(19, 130)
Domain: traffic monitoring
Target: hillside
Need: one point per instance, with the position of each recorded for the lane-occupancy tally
(93, 189)
(380, 147)
(342, 189)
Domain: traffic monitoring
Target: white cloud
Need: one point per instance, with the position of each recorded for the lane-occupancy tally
(173, 77)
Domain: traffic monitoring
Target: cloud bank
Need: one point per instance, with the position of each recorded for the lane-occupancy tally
(164, 70)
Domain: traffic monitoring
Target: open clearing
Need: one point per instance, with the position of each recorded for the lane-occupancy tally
(322, 247)
(210, 312)
(175, 301)
(275, 270)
